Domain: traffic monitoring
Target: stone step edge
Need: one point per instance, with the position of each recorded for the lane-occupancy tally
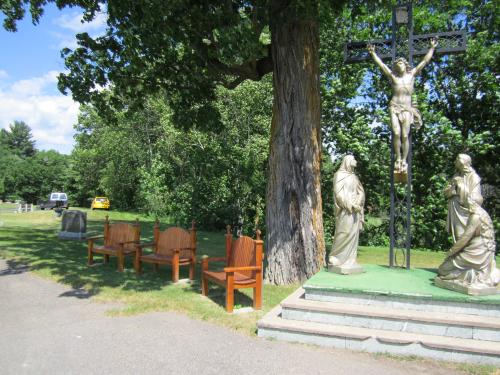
(275, 322)
(296, 302)
(388, 294)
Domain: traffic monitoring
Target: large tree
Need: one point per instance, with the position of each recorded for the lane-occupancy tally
(185, 49)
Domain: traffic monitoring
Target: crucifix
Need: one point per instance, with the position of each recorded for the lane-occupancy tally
(402, 109)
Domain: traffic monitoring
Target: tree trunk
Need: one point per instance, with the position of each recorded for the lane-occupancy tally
(295, 240)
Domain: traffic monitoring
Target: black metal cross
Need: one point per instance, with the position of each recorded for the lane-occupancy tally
(402, 15)
(402, 31)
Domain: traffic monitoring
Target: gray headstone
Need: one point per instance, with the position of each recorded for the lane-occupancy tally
(73, 225)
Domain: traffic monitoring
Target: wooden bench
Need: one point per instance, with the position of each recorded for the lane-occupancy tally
(243, 269)
(174, 246)
(120, 239)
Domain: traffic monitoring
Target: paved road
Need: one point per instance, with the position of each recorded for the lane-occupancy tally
(46, 328)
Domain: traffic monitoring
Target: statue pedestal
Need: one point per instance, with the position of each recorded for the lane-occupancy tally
(346, 270)
(400, 177)
(470, 290)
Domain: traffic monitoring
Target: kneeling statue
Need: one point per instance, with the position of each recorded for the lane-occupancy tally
(470, 265)
(349, 199)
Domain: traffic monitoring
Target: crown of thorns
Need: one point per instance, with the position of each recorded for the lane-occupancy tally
(404, 61)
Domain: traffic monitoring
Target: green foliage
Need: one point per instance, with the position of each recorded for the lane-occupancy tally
(8, 160)
(147, 161)
(195, 46)
(375, 232)
(154, 193)
(327, 171)
(106, 159)
(54, 168)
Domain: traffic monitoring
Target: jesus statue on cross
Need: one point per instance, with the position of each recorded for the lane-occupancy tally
(401, 107)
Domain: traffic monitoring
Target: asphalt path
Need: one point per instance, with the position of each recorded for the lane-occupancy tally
(47, 328)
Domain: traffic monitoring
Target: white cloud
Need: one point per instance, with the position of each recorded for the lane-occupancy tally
(65, 41)
(74, 22)
(50, 116)
(34, 86)
(3, 74)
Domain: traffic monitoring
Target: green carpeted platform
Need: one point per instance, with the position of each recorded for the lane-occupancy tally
(383, 280)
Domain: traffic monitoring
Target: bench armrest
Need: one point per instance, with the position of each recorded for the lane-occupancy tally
(247, 268)
(206, 259)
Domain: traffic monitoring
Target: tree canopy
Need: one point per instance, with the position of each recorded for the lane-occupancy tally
(186, 47)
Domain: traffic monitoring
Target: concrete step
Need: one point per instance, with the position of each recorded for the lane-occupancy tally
(376, 340)
(295, 307)
(410, 302)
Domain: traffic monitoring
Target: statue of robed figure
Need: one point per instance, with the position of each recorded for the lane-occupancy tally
(349, 197)
(465, 185)
(470, 265)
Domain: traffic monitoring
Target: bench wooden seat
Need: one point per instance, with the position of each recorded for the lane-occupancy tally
(174, 246)
(220, 278)
(119, 240)
(243, 269)
(110, 250)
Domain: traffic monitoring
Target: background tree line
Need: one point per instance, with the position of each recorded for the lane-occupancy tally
(28, 174)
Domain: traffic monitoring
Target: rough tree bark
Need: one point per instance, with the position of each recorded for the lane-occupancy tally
(295, 240)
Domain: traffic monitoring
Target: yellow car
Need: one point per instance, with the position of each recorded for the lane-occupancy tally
(100, 202)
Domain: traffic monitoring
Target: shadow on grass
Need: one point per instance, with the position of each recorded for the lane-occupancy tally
(66, 261)
(39, 249)
(217, 293)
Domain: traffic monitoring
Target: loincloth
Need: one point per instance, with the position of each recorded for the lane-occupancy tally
(399, 110)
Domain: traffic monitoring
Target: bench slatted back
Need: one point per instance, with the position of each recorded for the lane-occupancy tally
(122, 232)
(243, 254)
(174, 238)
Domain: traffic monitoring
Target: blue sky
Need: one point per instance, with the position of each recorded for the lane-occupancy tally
(29, 64)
